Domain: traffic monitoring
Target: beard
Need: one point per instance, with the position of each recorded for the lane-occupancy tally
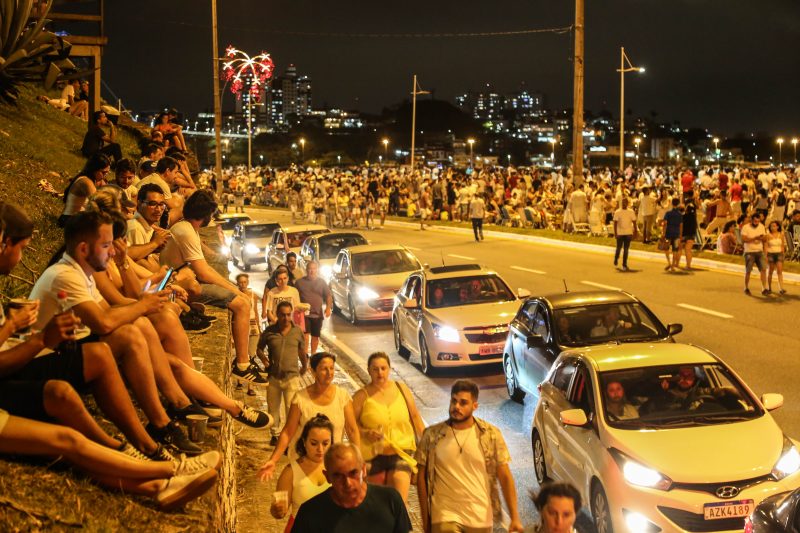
(96, 264)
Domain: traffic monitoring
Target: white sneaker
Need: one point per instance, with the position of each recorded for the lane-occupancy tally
(191, 465)
(181, 489)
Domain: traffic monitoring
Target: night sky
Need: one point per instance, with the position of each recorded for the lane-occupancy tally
(729, 65)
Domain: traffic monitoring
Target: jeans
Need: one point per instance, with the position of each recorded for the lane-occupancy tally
(623, 241)
(477, 228)
(280, 388)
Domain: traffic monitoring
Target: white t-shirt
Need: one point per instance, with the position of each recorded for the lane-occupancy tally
(461, 486)
(751, 232)
(308, 409)
(139, 231)
(183, 247)
(626, 221)
(288, 294)
(66, 275)
(158, 180)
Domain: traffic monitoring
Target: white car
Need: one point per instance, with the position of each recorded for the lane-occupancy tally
(367, 277)
(687, 446)
(453, 316)
(289, 239)
(324, 248)
(225, 223)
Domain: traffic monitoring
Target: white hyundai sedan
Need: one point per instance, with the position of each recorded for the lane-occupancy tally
(660, 437)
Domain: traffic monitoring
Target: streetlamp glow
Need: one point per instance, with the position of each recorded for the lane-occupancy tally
(794, 146)
(385, 142)
(553, 151)
(637, 141)
(780, 150)
(470, 142)
(715, 140)
(625, 65)
(302, 142)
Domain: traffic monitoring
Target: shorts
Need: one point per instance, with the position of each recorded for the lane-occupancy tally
(215, 295)
(387, 463)
(674, 243)
(751, 258)
(313, 325)
(24, 399)
(776, 257)
(319, 210)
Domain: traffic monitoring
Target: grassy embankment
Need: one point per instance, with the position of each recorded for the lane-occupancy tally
(38, 142)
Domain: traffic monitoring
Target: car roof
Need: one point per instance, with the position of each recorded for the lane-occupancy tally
(303, 227)
(335, 234)
(366, 248)
(259, 223)
(607, 357)
(573, 299)
(456, 271)
(228, 216)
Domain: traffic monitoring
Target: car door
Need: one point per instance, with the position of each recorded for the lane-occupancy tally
(576, 443)
(554, 400)
(538, 353)
(411, 317)
(338, 281)
(519, 331)
(236, 243)
(277, 238)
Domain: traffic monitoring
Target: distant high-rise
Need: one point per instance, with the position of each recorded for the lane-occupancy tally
(290, 96)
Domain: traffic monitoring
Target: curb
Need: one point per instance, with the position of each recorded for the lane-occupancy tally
(710, 264)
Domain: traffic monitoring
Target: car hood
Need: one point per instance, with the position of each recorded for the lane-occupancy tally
(384, 284)
(261, 243)
(706, 454)
(486, 314)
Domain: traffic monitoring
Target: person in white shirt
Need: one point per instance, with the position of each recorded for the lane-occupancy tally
(624, 232)
(753, 236)
(647, 208)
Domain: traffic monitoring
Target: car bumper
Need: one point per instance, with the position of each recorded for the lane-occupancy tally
(681, 509)
(463, 353)
(380, 309)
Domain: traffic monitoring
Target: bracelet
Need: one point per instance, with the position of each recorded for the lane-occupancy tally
(125, 266)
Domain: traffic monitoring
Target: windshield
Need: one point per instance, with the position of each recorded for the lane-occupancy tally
(467, 291)
(675, 396)
(383, 262)
(597, 324)
(261, 231)
(296, 238)
(329, 246)
(230, 223)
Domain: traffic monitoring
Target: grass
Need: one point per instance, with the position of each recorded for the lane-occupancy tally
(39, 142)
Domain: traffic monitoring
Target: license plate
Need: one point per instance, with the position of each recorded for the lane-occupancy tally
(491, 349)
(734, 509)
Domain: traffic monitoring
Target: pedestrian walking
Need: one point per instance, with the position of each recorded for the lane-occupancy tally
(624, 232)
(689, 230)
(477, 212)
(672, 226)
(243, 282)
(776, 249)
(754, 236)
(314, 291)
(461, 461)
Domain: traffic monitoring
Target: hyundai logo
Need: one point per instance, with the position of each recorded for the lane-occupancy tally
(727, 491)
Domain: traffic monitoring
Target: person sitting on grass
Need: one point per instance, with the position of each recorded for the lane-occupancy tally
(96, 140)
(93, 176)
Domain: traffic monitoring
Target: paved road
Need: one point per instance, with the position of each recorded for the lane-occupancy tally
(757, 336)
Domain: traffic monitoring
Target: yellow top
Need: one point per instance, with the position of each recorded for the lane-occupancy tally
(395, 421)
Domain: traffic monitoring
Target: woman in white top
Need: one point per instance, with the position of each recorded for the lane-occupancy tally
(282, 292)
(321, 397)
(304, 478)
(776, 248)
(558, 505)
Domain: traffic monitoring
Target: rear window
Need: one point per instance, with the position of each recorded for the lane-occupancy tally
(296, 238)
(230, 223)
(330, 246)
(259, 232)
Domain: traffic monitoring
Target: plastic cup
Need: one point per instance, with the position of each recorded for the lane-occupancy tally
(198, 363)
(281, 496)
(19, 303)
(197, 425)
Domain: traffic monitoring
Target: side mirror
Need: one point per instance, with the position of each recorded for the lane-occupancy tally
(523, 293)
(411, 303)
(534, 340)
(771, 401)
(574, 417)
(674, 329)
(279, 246)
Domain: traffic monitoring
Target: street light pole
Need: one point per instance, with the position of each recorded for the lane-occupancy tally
(249, 133)
(302, 151)
(716, 148)
(217, 101)
(414, 93)
(385, 142)
(625, 65)
(794, 145)
(780, 151)
(470, 142)
(637, 142)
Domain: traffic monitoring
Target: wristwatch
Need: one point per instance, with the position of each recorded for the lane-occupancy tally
(125, 266)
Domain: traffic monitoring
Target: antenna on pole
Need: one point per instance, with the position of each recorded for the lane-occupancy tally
(442, 254)
(566, 289)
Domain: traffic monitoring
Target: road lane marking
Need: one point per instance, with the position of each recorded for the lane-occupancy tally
(706, 311)
(601, 286)
(413, 248)
(468, 258)
(531, 270)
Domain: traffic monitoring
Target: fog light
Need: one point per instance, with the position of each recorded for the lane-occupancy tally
(637, 523)
(444, 356)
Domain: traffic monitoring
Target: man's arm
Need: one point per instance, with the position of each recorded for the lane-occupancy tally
(103, 320)
(60, 328)
(140, 251)
(506, 480)
(206, 274)
(422, 493)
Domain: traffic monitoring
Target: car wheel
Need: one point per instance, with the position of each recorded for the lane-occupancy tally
(398, 342)
(245, 265)
(539, 463)
(601, 514)
(512, 386)
(425, 357)
(351, 311)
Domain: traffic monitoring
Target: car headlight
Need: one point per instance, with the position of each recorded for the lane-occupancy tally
(251, 249)
(365, 293)
(788, 463)
(636, 473)
(445, 333)
(327, 272)
(225, 250)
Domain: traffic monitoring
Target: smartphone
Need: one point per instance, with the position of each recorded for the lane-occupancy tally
(166, 279)
(186, 264)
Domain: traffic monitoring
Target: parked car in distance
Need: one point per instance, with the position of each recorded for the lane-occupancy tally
(324, 248)
(454, 316)
(660, 437)
(249, 242)
(547, 325)
(366, 278)
(289, 239)
(225, 222)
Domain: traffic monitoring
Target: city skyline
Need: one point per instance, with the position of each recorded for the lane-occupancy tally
(701, 70)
